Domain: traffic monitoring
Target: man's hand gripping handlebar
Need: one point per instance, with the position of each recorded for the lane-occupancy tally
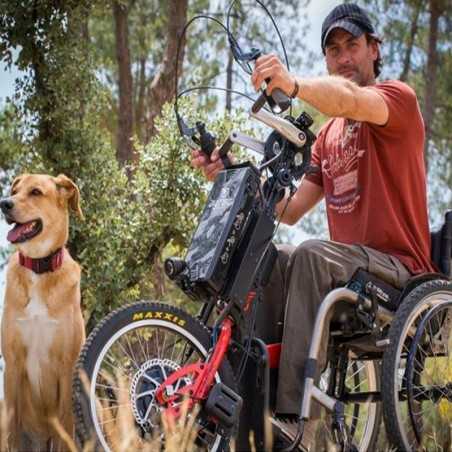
(218, 158)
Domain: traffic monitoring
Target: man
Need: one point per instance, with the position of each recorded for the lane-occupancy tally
(372, 176)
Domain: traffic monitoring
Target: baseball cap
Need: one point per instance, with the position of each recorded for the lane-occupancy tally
(351, 18)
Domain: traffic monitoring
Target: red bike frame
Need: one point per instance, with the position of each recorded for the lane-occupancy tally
(202, 375)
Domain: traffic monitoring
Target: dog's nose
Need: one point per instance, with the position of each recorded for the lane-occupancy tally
(6, 204)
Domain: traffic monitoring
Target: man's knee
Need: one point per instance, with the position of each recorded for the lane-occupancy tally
(309, 248)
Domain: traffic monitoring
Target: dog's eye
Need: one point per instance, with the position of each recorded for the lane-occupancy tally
(35, 192)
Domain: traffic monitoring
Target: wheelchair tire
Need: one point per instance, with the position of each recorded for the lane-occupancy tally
(417, 398)
(125, 358)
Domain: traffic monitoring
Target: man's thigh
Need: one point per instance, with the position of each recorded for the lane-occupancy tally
(319, 265)
(386, 267)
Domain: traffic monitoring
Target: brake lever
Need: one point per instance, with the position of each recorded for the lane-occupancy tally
(207, 143)
(207, 140)
(223, 153)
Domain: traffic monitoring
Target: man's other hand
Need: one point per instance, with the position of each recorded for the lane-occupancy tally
(209, 166)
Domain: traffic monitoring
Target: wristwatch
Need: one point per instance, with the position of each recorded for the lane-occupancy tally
(295, 90)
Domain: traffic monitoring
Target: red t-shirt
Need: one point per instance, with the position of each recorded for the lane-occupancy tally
(373, 179)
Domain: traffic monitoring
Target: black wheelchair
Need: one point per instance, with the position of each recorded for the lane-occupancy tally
(389, 357)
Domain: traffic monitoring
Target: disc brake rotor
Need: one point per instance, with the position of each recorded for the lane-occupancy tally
(145, 383)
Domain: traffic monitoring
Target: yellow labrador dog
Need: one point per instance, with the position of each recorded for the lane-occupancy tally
(42, 327)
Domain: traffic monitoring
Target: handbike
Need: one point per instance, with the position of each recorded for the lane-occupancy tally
(154, 361)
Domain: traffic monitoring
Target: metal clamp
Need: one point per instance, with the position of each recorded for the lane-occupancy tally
(281, 125)
(247, 141)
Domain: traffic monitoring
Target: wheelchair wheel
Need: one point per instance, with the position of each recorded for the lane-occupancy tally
(363, 419)
(417, 371)
(125, 359)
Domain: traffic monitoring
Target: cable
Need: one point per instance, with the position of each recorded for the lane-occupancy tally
(249, 71)
(188, 90)
(241, 58)
(269, 162)
(277, 31)
(176, 70)
(251, 327)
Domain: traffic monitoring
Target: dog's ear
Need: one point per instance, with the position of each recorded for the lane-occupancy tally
(69, 191)
(16, 181)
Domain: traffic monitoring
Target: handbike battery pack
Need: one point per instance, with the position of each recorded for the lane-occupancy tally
(221, 226)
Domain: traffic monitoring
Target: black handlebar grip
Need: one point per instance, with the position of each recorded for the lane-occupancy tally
(223, 153)
(226, 161)
(280, 99)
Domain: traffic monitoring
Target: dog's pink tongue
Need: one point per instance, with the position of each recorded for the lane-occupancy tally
(16, 232)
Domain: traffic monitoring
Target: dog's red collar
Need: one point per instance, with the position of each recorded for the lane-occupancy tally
(49, 263)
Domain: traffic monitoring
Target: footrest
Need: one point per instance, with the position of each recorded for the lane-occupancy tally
(224, 404)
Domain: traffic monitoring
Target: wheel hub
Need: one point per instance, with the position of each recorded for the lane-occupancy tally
(145, 383)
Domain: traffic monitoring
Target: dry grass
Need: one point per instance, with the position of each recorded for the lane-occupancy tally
(123, 436)
(122, 433)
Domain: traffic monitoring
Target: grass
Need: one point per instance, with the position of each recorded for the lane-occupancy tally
(180, 436)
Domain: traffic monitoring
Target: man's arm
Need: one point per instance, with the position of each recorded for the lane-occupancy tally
(333, 96)
(304, 199)
(338, 97)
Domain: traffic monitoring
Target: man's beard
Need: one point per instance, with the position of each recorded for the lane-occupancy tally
(352, 73)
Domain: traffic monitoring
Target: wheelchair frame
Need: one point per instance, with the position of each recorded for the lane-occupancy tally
(441, 256)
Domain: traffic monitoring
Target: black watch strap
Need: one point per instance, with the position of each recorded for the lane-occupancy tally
(295, 90)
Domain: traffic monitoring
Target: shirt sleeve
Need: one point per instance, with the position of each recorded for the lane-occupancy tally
(403, 107)
(316, 175)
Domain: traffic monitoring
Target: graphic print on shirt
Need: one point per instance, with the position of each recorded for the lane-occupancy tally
(341, 167)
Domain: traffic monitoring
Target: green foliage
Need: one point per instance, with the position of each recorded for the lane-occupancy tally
(57, 124)
(11, 146)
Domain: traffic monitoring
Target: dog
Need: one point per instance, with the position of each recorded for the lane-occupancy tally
(42, 328)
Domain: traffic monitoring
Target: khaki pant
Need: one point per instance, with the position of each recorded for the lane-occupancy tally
(302, 277)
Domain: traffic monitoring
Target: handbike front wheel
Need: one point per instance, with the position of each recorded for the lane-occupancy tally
(417, 371)
(125, 359)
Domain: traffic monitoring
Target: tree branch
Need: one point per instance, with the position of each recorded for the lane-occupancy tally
(410, 43)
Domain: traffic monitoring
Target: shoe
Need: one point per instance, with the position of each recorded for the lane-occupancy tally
(287, 429)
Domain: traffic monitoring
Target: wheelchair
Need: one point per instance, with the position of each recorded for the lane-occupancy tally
(388, 357)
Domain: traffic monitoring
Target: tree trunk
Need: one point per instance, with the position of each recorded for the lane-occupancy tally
(158, 277)
(436, 9)
(411, 38)
(124, 148)
(163, 84)
(229, 82)
(139, 117)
